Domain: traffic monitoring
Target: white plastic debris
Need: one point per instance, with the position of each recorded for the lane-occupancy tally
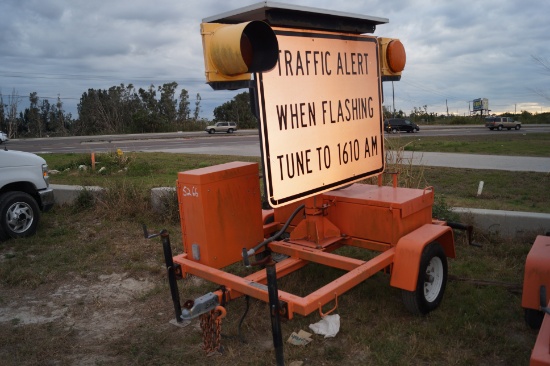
(328, 326)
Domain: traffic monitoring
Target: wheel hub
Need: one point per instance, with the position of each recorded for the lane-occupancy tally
(19, 217)
(434, 279)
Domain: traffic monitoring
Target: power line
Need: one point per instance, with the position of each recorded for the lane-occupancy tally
(53, 76)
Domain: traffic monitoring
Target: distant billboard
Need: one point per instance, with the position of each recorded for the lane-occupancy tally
(481, 104)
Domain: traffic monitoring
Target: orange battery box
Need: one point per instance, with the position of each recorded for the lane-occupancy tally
(381, 214)
(220, 212)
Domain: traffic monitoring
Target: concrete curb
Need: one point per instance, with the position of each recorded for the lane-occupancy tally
(505, 223)
(66, 195)
(502, 223)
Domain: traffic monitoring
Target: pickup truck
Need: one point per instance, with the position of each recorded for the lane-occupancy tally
(500, 123)
(24, 193)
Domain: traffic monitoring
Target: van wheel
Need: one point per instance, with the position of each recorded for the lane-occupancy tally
(394, 130)
(500, 128)
(19, 215)
(431, 282)
(518, 127)
(211, 130)
(230, 130)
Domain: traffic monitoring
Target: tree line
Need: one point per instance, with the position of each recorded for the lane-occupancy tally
(124, 109)
(119, 109)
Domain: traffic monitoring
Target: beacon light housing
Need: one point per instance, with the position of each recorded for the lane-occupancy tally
(233, 51)
(392, 58)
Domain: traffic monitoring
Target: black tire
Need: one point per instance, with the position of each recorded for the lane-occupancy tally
(230, 130)
(431, 283)
(534, 318)
(491, 128)
(211, 130)
(518, 127)
(19, 215)
(394, 130)
(500, 128)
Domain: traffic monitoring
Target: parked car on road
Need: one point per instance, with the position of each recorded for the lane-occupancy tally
(3, 137)
(228, 127)
(400, 124)
(500, 123)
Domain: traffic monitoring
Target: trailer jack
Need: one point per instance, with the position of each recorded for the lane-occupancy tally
(173, 270)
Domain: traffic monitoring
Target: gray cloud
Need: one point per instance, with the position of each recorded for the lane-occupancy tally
(456, 51)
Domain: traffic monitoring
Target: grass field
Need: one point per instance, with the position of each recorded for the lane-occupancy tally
(88, 289)
(503, 190)
(499, 143)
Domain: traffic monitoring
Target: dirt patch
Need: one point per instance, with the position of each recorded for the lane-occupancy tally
(90, 310)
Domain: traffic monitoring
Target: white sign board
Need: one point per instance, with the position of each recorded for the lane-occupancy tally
(320, 114)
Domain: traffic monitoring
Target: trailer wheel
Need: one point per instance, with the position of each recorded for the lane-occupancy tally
(432, 279)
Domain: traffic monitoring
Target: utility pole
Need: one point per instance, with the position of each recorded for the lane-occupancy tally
(393, 96)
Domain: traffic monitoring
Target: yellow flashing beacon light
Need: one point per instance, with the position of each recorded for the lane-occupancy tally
(233, 51)
(392, 58)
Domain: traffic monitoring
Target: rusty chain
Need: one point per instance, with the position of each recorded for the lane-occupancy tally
(211, 325)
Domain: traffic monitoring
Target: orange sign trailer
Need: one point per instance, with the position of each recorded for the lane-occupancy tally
(536, 282)
(220, 212)
(222, 220)
(220, 209)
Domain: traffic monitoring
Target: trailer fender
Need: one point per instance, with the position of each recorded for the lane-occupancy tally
(408, 252)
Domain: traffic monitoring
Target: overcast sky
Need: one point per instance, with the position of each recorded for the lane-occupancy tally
(457, 50)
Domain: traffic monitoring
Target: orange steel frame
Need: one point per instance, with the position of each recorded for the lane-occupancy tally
(403, 228)
(255, 286)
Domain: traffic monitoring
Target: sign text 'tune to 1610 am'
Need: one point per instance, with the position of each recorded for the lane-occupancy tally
(320, 114)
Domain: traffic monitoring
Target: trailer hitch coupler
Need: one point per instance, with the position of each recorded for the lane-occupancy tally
(199, 306)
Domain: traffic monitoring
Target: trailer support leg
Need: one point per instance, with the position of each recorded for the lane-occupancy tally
(274, 308)
(171, 274)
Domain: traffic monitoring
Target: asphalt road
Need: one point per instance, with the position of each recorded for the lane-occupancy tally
(246, 143)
